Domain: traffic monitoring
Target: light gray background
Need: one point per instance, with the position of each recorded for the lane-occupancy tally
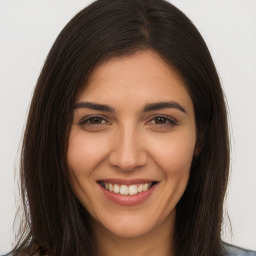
(29, 28)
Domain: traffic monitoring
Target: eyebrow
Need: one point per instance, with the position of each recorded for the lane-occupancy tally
(162, 105)
(94, 106)
(147, 108)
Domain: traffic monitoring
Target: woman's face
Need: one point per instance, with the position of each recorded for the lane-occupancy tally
(131, 144)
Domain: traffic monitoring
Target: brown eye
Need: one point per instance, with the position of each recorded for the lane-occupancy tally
(160, 120)
(95, 120)
(162, 123)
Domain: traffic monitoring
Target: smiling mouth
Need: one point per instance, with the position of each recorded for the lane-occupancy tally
(127, 190)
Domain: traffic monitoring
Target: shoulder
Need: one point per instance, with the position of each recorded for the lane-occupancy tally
(231, 250)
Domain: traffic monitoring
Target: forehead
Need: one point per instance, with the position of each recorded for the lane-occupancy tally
(143, 76)
(142, 65)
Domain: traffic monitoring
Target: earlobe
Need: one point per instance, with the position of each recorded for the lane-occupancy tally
(199, 143)
(198, 148)
(196, 152)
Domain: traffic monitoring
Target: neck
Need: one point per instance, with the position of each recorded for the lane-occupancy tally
(157, 242)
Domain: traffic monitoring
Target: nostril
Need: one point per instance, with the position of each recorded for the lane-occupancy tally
(128, 160)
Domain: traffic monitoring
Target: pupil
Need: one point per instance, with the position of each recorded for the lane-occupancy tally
(160, 120)
(95, 120)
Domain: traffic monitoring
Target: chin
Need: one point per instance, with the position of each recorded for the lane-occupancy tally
(129, 231)
(134, 226)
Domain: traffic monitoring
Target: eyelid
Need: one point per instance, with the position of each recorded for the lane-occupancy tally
(170, 121)
(169, 118)
(85, 119)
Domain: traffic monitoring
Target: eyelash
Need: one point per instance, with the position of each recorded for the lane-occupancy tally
(85, 121)
(168, 121)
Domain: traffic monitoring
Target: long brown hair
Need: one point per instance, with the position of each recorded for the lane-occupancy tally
(55, 222)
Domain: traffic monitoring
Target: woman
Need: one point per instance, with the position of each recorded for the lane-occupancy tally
(126, 147)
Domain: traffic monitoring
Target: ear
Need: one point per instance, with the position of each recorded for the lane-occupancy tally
(197, 151)
(199, 143)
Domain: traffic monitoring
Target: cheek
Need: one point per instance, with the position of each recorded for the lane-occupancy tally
(85, 152)
(174, 154)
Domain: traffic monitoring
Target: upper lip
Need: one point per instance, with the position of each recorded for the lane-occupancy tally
(126, 182)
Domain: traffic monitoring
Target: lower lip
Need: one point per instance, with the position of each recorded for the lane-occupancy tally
(128, 200)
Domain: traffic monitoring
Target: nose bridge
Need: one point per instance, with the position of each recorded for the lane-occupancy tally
(128, 152)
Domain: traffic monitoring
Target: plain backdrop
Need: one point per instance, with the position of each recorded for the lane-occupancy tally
(29, 28)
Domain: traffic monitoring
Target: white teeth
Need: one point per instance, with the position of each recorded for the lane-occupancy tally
(124, 190)
(133, 190)
(116, 188)
(140, 188)
(127, 189)
(145, 187)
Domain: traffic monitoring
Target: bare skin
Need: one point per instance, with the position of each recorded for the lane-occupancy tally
(110, 245)
(133, 122)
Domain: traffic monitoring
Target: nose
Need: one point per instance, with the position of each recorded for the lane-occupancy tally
(127, 150)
